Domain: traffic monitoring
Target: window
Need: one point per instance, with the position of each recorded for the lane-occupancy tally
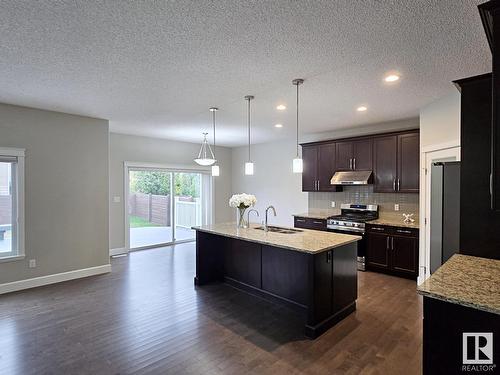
(11, 204)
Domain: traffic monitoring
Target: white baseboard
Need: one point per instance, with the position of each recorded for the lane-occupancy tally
(118, 251)
(52, 279)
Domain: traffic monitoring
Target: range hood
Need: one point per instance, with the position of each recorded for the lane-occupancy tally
(351, 178)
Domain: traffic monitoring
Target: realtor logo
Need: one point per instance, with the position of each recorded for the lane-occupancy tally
(477, 348)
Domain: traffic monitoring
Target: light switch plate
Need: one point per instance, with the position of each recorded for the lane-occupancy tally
(32, 263)
(396, 207)
(333, 204)
(116, 199)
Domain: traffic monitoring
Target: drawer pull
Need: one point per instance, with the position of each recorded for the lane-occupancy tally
(377, 228)
(300, 220)
(403, 231)
(318, 222)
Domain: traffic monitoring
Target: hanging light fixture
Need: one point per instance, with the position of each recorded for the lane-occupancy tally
(215, 167)
(297, 165)
(249, 164)
(205, 156)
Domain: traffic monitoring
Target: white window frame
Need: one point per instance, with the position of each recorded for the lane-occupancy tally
(18, 230)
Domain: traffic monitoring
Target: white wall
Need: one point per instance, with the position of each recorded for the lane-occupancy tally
(66, 192)
(160, 151)
(273, 182)
(440, 120)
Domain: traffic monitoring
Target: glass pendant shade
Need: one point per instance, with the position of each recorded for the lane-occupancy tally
(205, 156)
(215, 170)
(249, 168)
(297, 165)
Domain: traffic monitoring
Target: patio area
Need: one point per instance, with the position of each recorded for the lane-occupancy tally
(149, 236)
(6, 242)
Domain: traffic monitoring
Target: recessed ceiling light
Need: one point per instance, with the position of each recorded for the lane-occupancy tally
(281, 107)
(391, 78)
(278, 125)
(361, 108)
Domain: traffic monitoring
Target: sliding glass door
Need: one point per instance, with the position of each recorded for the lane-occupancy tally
(164, 204)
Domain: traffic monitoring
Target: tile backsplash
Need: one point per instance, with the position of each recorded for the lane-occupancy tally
(321, 201)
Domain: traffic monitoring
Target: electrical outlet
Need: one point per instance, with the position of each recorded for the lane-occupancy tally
(116, 199)
(333, 204)
(396, 207)
(32, 263)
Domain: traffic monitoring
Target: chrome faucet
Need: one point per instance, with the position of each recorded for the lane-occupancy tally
(248, 217)
(267, 209)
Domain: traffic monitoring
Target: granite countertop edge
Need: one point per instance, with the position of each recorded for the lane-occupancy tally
(207, 230)
(379, 221)
(457, 301)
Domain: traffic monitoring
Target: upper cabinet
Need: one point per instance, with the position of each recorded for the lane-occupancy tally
(354, 155)
(396, 163)
(393, 158)
(318, 167)
(490, 16)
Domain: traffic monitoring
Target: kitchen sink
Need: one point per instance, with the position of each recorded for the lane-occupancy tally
(272, 228)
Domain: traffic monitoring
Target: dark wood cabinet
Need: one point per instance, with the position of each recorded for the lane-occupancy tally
(408, 163)
(396, 163)
(310, 168)
(490, 16)
(344, 156)
(318, 167)
(309, 223)
(378, 254)
(385, 164)
(354, 155)
(392, 250)
(242, 262)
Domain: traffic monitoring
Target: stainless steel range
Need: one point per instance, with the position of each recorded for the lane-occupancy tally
(352, 220)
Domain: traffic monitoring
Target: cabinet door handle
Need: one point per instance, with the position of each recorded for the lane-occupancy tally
(377, 228)
(318, 185)
(399, 183)
(392, 243)
(387, 245)
(300, 220)
(317, 222)
(354, 163)
(394, 184)
(350, 163)
(328, 256)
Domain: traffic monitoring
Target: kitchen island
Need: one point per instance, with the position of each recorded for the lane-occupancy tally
(310, 271)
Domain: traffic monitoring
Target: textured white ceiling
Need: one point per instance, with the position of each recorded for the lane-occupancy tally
(155, 67)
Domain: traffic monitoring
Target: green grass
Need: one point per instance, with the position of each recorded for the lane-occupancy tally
(138, 222)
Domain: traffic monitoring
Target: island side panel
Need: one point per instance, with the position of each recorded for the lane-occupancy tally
(345, 277)
(210, 250)
(284, 274)
(243, 262)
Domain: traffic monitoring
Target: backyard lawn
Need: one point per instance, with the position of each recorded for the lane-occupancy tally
(139, 222)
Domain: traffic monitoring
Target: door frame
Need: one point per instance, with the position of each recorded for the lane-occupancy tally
(170, 168)
(442, 150)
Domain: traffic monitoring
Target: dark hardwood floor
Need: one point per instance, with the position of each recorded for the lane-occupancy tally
(147, 317)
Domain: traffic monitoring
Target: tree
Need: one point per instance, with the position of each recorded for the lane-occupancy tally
(158, 183)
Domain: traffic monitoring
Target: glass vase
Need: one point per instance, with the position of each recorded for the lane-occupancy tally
(241, 222)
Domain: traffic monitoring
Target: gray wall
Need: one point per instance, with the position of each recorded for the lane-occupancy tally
(160, 151)
(66, 190)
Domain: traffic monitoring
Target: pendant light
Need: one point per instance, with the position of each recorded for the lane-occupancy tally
(205, 157)
(249, 164)
(297, 165)
(215, 167)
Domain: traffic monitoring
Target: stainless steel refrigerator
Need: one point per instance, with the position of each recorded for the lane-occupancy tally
(445, 212)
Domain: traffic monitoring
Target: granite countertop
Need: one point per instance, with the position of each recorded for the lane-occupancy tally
(468, 281)
(395, 221)
(306, 241)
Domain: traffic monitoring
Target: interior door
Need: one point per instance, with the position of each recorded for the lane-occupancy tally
(344, 156)
(385, 164)
(363, 155)
(310, 167)
(408, 163)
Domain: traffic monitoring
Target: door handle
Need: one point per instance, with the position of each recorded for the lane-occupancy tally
(328, 256)
(300, 220)
(377, 228)
(392, 243)
(317, 222)
(350, 163)
(399, 182)
(394, 184)
(403, 231)
(387, 244)
(354, 163)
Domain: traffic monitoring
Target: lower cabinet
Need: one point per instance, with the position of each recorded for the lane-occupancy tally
(309, 223)
(392, 250)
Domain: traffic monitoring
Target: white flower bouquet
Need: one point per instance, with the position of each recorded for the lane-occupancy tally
(242, 200)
